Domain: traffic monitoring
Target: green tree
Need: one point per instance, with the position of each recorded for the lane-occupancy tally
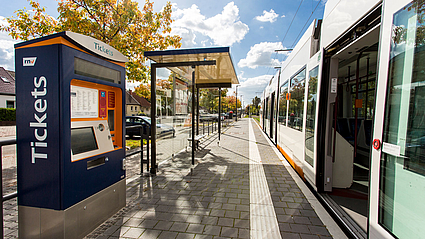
(119, 23)
(208, 98)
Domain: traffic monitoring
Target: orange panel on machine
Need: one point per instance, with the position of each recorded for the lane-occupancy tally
(111, 101)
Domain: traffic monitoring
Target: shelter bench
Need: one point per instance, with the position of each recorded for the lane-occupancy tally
(197, 139)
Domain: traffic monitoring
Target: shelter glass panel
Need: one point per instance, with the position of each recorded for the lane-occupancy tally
(174, 115)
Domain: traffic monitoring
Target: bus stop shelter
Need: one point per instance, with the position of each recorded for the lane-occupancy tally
(204, 68)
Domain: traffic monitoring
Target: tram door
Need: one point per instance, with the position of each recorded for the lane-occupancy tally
(349, 124)
(272, 117)
(266, 114)
(398, 158)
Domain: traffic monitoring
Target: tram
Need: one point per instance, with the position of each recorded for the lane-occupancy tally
(347, 111)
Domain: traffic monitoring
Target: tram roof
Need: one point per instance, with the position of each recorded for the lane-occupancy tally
(221, 74)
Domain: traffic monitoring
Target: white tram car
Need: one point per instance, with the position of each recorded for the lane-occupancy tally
(347, 110)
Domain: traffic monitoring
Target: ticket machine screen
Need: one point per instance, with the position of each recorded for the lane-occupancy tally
(94, 119)
(83, 140)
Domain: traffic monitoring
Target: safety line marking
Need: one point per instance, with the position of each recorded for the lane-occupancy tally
(263, 221)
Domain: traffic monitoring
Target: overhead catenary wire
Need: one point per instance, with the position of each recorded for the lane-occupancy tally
(293, 18)
(308, 20)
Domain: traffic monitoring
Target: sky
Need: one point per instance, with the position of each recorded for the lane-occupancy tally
(253, 30)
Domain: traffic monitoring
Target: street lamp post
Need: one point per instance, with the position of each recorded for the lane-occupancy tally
(241, 104)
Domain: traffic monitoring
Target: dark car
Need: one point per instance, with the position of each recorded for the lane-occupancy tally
(161, 129)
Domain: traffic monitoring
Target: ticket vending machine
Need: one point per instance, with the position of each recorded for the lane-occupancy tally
(70, 107)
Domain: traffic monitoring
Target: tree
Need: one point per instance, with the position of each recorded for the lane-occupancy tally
(144, 90)
(209, 99)
(118, 23)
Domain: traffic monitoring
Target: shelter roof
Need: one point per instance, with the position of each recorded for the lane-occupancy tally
(222, 74)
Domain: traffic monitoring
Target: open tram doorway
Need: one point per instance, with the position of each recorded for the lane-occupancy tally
(349, 123)
(272, 117)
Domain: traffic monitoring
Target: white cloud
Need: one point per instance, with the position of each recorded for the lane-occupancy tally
(261, 55)
(7, 50)
(250, 87)
(268, 16)
(223, 29)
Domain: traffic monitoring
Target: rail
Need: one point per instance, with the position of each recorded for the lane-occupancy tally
(143, 135)
(9, 141)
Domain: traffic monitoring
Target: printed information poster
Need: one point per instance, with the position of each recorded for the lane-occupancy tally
(84, 102)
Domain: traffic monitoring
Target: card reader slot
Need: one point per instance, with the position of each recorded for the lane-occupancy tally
(95, 163)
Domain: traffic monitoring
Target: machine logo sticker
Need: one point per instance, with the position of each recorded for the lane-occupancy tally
(29, 61)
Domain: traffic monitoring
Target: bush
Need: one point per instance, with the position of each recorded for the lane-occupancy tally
(132, 144)
(7, 114)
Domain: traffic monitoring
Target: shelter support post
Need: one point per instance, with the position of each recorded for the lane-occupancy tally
(193, 115)
(197, 110)
(219, 114)
(153, 119)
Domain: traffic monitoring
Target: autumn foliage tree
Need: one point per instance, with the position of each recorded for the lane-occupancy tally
(119, 23)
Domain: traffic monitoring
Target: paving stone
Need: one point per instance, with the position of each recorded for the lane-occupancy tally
(225, 222)
(301, 220)
(195, 228)
(285, 218)
(133, 233)
(232, 214)
(179, 226)
(229, 232)
(309, 236)
(308, 213)
(229, 207)
(148, 223)
(299, 228)
(315, 221)
(244, 233)
(198, 236)
(133, 222)
(319, 230)
(185, 236)
(179, 217)
(217, 212)
(290, 235)
(167, 235)
(194, 219)
(208, 220)
(212, 230)
(163, 225)
(148, 234)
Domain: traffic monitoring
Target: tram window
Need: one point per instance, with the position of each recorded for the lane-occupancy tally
(296, 103)
(311, 114)
(283, 103)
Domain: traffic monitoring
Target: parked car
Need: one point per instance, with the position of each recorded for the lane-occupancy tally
(161, 129)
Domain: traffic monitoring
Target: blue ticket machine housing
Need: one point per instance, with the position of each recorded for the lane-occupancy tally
(70, 102)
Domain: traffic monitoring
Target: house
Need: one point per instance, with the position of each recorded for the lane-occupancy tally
(7, 89)
(136, 104)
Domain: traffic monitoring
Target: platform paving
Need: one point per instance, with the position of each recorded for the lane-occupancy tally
(239, 187)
